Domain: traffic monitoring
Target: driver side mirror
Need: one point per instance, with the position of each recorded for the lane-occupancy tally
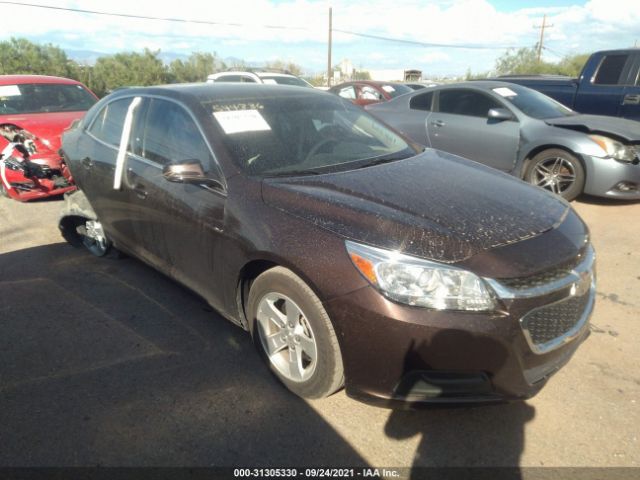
(499, 114)
(189, 171)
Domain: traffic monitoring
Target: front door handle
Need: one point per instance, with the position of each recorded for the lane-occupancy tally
(141, 191)
(87, 163)
(631, 99)
(438, 123)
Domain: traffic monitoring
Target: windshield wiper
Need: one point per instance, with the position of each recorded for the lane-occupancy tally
(293, 173)
(385, 159)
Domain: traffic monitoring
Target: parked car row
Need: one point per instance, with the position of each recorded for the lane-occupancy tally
(356, 254)
(525, 133)
(353, 256)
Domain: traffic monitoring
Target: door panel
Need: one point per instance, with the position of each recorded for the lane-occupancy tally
(630, 106)
(97, 169)
(470, 135)
(177, 226)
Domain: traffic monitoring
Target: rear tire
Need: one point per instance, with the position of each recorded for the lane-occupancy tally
(557, 171)
(294, 334)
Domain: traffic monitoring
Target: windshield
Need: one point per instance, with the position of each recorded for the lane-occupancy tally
(533, 103)
(298, 82)
(43, 98)
(305, 134)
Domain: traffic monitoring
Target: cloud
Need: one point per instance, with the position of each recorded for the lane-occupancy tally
(247, 28)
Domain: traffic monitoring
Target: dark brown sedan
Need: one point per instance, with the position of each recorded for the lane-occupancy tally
(351, 256)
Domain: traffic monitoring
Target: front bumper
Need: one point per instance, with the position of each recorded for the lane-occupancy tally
(398, 355)
(607, 178)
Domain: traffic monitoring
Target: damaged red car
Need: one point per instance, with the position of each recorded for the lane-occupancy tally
(34, 111)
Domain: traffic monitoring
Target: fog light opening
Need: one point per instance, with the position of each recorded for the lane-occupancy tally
(626, 187)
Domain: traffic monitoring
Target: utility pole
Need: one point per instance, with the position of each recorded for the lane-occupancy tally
(329, 69)
(542, 27)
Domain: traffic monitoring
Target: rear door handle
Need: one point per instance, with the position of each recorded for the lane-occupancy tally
(438, 123)
(87, 163)
(141, 191)
(631, 99)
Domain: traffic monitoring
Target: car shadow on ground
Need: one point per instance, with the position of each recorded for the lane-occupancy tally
(462, 436)
(591, 200)
(107, 362)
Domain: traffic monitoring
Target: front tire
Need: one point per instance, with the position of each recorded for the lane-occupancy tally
(294, 335)
(558, 171)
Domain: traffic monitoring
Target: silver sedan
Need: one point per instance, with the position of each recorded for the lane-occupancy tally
(525, 133)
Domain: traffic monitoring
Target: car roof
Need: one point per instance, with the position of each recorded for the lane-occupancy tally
(219, 91)
(258, 73)
(22, 79)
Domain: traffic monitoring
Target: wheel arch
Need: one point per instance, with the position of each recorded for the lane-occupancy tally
(548, 146)
(255, 267)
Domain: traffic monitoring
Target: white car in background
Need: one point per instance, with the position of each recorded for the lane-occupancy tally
(258, 76)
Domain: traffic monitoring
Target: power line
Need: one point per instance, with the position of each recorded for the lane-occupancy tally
(276, 27)
(146, 17)
(427, 44)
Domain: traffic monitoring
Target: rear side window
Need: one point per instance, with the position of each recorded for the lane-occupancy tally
(171, 135)
(421, 102)
(466, 102)
(610, 70)
(369, 93)
(107, 126)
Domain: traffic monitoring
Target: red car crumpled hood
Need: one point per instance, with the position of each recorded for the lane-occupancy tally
(45, 126)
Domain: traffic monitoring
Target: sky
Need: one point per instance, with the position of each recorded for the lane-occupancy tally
(470, 34)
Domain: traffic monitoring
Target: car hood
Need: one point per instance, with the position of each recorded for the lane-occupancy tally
(45, 126)
(627, 130)
(435, 205)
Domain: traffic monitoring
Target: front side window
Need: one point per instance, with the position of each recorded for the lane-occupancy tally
(466, 102)
(395, 90)
(303, 134)
(610, 70)
(171, 135)
(108, 124)
(348, 92)
(44, 98)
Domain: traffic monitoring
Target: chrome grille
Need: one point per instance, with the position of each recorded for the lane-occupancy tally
(543, 278)
(550, 322)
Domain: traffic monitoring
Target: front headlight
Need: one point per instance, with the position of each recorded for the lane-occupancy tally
(615, 149)
(419, 282)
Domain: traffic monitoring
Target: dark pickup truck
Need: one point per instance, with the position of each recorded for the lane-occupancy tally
(609, 84)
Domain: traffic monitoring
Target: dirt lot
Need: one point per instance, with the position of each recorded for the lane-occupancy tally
(106, 362)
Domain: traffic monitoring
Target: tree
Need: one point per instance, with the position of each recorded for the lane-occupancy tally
(525, 61)
(290, 67)
(19, 55)
(127, 69)
(196, 68)
(361, 75)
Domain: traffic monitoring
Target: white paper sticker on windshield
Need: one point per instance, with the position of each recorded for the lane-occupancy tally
(238, 121)
(505, 92)
(388, 88)
(270, 81)
(9, 91)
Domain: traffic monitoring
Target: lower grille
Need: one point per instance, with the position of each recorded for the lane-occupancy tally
(547, 326)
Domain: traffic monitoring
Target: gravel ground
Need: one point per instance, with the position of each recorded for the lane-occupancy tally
(106, 362)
